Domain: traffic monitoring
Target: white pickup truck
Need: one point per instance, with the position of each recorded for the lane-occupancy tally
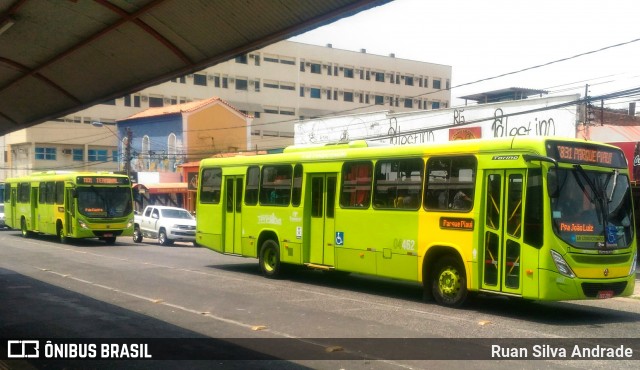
(167, 224)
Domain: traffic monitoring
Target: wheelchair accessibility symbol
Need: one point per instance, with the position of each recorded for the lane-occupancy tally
(339, 237)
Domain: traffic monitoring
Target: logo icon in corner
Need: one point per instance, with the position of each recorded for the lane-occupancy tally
(23, 349)
(606, 272)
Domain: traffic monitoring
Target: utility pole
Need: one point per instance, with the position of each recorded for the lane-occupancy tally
(127, 151)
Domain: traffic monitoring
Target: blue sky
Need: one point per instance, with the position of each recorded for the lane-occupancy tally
(482, 39)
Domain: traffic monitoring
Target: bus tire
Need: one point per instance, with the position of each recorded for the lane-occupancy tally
(137, 235)
(162, 238)
(60, 233)
(110, 240)
(269, 259)
(23, 228)
(449, 282)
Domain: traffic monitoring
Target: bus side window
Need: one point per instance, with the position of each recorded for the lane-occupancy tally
(356, 185)
(450, 183)
(252, 186)
(398, 184)
(211, 185)
(42, 198)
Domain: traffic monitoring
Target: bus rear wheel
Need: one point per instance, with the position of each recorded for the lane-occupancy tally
(23, 228)
(449, 282)
(269, 259)
(60, 232)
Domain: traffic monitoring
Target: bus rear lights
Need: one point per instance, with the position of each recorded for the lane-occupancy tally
(562, 265)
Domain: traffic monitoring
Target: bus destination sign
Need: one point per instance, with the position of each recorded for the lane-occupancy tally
(102, 180)
(586, 154)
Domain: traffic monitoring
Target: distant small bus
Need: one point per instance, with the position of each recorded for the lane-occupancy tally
(536, 218)
(70, 205)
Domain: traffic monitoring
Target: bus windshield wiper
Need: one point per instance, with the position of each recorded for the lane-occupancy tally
(613, 187)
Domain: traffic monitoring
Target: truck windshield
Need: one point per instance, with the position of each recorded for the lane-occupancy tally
(591, 209)
(176, 213)
(103, 202)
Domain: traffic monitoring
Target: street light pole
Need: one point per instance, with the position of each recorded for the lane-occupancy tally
(127, 151)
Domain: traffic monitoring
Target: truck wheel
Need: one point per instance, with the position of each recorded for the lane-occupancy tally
(137, 235)
(162, 238)
(269, 259)
(449, 282)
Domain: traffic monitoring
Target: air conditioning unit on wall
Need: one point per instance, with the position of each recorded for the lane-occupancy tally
(66, 151)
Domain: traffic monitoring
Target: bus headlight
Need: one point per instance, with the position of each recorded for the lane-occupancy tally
(83, 225)
(562, 265)
(130, 223)
(633, 263)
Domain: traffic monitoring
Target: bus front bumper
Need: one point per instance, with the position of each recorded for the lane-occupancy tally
(556, 287)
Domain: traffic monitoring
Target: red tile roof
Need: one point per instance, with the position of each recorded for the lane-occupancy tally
(181, 108)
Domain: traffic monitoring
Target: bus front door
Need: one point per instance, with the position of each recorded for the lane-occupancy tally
(323, 200)
(68, 211)
(233, 214)
(503, 200)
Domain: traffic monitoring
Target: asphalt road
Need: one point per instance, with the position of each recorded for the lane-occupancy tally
(220, 310)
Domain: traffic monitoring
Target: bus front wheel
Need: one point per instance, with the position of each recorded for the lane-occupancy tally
(269, 259)
(449, 282)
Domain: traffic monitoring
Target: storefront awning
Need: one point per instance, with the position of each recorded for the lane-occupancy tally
(163, 188)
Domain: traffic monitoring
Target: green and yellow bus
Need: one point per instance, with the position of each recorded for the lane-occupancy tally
(536, 218)
(70, 205)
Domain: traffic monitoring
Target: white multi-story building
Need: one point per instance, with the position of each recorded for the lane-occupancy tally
(278, 85)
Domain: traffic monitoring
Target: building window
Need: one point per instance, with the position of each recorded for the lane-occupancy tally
(200, 80)
(114, 156)
(348, 72)
(241, 84)
(301, 65)
(77, 154)
(435, 105)
(272, 110)
(271, 84)
(145, 146)
(316, 68)
(109, 102)
(256, 114)
(97, 155)
(408, 80)
(290, 62)
(242, 59)
(379, 76)
(448, 84)
(314, 93)
(171, 144)
(225, 82)
(379, 99)
(348, 96)
(127, 100)
(48, 154)
(436, 84)
(302, 91)
(156, 102)
(408, 103)
(271, 59)
(216, 81)
(286, 86)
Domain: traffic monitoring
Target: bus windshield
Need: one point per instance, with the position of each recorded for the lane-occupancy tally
(104, 202)
(591, 209)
